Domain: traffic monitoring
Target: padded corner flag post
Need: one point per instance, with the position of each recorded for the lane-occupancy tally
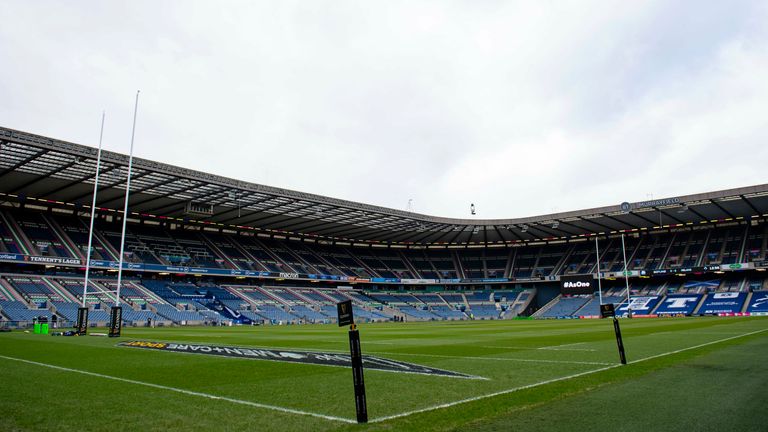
(82, 321)
(115, 321)
(345, 317)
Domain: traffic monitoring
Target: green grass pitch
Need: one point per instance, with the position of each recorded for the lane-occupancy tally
(683, 374)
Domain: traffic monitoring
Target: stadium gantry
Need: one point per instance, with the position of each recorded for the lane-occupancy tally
(206, 248)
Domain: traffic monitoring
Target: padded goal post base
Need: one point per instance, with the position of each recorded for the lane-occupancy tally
(115, 321)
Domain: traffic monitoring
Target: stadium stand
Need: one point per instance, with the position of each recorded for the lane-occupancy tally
(678, 304)
(759, 302)
(154, 245)
(592, 306)
(281, 256)
(723, 302)
(18, 311)
(566, 307)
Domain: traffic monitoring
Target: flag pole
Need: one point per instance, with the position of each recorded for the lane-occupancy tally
(93, 211)
(125, 208)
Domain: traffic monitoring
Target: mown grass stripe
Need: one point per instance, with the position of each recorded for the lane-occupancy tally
(513, 359)
(182, 391)
(564, 378)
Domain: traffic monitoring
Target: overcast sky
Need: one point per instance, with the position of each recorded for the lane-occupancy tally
(522, 108)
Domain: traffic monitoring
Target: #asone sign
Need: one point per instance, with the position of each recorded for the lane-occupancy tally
(578, 284)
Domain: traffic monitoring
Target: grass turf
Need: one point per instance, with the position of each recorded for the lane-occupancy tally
(686, 386)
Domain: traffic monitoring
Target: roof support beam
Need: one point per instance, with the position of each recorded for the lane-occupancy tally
(627, 223)
(261, 216)
(105, 187)
(722, 208)
(260, 211)
(517, 236)
(267, 218)
(453, 239)
(77, 182)
(175, 206)
(168, 209)
(427, 234)
(121, 197)
(394, 235)
(571, 233)
(314, 225)
(540, 229)
(159, 197)
(22, 163)
(135, 192)
(406, 236)
(303, 206)
(498, 232)
(676, 220)
(343, 231)
(590, 221)
(41, 178)
(701, 216)
(299, 225)
(225, 212)
(253, 211)
(749, 203)
(443, 235)
(154, 209)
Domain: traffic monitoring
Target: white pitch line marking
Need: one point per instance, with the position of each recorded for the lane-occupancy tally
(495, 358)
(375, 353)
(562, 347)
(691, 333)
(546, 348)
(516, 389)
(521, 348)
(186, 392)
(498, 393)
(565, 349)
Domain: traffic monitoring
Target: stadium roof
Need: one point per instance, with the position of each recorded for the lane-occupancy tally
(34, 167)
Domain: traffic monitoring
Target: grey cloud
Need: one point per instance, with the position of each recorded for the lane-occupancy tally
(519, 107)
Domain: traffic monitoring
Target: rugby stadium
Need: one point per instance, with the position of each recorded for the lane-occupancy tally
(230, 291)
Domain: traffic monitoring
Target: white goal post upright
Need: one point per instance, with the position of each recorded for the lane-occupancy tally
(626, 277)
(93, 212)
(599, 283)
(125, 208)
